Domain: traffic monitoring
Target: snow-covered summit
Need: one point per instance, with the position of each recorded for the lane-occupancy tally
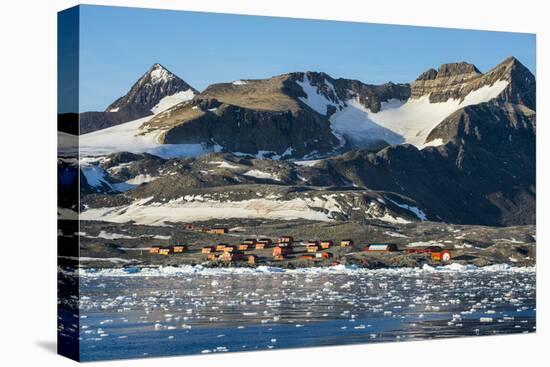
(155, 91)
(159, 74)
(155, 84)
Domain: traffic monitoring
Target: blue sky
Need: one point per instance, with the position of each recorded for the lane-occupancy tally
(117, 45)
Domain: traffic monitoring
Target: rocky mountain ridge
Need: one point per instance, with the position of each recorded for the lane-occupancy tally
(151, 88)
(457, 80)
(472, 163)
(471, 179)
(308, 114)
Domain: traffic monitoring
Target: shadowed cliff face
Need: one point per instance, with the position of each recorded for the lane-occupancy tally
(485, 173)
(250, 131)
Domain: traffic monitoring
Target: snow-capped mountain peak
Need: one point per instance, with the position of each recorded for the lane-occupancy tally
(155, 84)
(159, 74)
(325, 115)
(155, 91)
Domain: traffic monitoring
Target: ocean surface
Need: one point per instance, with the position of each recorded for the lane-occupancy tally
(140, 313)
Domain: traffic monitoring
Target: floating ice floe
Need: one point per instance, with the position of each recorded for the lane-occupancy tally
(184, 270)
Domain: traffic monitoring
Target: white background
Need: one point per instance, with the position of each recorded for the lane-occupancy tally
(28, 181)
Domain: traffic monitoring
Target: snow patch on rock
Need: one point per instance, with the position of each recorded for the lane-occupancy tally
(160, 75)
(413, 209)
(128, 137)
(400, 122)
(97, 178)
(197, 208)
(316, 100)
(172, 100)
(225, 165)
(239, 82)
(261, 174)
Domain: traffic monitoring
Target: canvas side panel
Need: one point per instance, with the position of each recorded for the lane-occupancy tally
(68, 343)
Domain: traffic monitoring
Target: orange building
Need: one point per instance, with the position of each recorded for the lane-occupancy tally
(244, 246)
(179, 248)
(232, 256)
(218, 230)
(323, 255)
(312, 247)
(285, 239)
(346, 243)
(221, 246)
(266, 241)
(281, 251)
(229, 248)
(164, 251)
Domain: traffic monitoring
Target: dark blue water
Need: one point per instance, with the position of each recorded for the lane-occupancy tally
(129, 317)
